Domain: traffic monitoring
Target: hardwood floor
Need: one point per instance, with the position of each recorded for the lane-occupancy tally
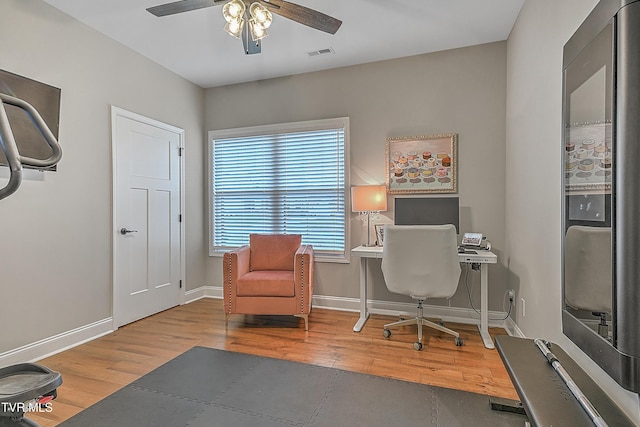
(98, 368)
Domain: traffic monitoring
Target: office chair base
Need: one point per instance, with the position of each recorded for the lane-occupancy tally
(420, 322)
(416, 345)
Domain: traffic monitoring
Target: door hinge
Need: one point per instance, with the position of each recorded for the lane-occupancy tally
(180, 283)
(180, 150)
(179, 217)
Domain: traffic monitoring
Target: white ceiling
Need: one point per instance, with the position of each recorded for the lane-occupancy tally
(194, 45)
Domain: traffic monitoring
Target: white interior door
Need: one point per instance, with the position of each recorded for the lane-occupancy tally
(147, 223)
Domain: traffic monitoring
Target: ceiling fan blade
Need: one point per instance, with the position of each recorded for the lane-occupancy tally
(181, 6)
(304, 15)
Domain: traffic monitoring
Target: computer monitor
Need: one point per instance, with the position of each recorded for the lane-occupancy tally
(427, 211)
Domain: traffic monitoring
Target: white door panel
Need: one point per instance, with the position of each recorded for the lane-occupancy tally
(135, 244)
(150, 156)
(147, 202)
(162, 232)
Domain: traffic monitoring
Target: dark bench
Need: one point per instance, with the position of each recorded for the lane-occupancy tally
(545, 397)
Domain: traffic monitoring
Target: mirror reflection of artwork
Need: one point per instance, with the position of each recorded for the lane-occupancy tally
(588, 276)
(588, 157)
(45, 99)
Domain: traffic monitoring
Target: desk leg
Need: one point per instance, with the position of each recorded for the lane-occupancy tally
(484, 307)
(364, 314)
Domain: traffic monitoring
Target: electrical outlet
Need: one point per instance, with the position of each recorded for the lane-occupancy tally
(512, 295)
(523, 307)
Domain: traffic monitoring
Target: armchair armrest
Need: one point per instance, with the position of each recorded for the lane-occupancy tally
(235, 264)
(303, 277)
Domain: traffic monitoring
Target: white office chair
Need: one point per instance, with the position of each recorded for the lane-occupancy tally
(421, 261)
(587, 272)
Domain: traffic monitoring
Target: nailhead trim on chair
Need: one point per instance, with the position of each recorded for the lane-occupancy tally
(228, 266)
(302, 309)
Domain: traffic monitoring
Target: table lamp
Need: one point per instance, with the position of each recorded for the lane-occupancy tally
(368, 200)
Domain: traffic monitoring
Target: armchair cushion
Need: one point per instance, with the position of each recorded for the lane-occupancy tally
(266, 284)
(273, 252)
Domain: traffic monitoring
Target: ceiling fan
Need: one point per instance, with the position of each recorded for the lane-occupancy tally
(249, 19)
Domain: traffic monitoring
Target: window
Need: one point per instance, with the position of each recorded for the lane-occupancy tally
(285, 178)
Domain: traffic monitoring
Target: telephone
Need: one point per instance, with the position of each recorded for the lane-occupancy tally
(472, 239)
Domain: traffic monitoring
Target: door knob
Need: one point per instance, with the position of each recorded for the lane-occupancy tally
(125, 231)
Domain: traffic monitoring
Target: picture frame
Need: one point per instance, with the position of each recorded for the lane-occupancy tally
(379, 234)
(422, 164)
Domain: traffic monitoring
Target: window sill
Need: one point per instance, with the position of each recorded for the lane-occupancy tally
(336, 259)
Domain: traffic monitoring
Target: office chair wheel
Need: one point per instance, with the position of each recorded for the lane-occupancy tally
(459, 341)
(386, 333)
(417, 346)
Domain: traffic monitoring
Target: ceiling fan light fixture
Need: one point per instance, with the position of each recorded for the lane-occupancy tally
(234, 27)
(253, 16)
(261, 15)
(258, 32)
(233, 10)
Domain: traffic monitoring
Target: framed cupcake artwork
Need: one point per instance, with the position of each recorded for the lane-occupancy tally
(422, 164)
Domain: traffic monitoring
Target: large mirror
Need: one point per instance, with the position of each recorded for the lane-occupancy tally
(601, 168)
(589, 154)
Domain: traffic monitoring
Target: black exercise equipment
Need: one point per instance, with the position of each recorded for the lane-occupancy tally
(26, 387)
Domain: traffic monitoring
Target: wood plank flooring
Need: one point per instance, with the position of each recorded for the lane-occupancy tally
(98, 368)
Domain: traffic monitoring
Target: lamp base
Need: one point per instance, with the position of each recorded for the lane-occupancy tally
(366, 217)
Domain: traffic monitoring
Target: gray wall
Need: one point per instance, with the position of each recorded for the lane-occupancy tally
(534, 177)
(56, 232)
(55, 245)
(460, 91)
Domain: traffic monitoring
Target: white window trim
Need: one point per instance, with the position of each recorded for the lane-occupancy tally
(340, 122)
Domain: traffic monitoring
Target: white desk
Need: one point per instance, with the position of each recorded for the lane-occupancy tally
(482, 257)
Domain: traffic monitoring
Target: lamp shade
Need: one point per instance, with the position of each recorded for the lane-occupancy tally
(368, 198)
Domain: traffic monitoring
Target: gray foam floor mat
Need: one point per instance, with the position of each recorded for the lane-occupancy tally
(209, 387)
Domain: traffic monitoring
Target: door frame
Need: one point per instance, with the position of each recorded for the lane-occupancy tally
(120, 112)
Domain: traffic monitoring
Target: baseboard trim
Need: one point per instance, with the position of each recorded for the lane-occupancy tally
(447, 314)
(66, 340)
(57, 343)
(512, 329)
(203, 292)
(196, 294)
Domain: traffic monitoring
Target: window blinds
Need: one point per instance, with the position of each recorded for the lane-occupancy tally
(292, 182)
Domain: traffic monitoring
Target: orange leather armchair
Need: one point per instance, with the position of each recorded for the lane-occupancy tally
(272, 275)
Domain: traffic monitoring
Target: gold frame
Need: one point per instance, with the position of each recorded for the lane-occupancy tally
(422, 164)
